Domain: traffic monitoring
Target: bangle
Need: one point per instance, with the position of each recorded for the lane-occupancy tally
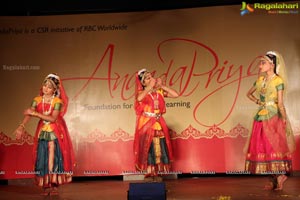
(22, 125)
(33, 113)
(281, 107)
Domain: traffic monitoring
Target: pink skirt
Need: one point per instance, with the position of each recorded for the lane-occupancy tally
(268, 149)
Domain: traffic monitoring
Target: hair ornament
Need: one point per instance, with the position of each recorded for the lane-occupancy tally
(271, 53)
(141, 71)
(53, 76)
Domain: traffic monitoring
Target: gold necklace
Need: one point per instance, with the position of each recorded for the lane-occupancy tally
(47, 112)
(155, 100)
(265, 83)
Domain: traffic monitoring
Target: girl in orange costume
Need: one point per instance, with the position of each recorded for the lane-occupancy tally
(53, 151)
(152, 145)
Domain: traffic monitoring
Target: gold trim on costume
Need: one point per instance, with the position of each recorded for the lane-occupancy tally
(157, 149)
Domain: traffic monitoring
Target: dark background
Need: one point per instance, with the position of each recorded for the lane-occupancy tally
(61, 7)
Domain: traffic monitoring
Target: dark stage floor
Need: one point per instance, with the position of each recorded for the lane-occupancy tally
(183, 188)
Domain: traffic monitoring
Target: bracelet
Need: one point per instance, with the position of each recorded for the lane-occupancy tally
(33, 113)
(22, 125)
(257, 101)
(281, 107)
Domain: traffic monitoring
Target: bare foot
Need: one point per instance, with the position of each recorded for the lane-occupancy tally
(54, 191)
(272, 184)
(148, 178)
(45, 192)
(158, 179)
(269, 186)
(281, 179)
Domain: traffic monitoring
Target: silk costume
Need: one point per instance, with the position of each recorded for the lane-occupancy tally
(152, 144)
(64, 159)
(271, 142)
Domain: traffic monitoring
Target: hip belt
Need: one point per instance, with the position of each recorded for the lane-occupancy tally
(150, 114)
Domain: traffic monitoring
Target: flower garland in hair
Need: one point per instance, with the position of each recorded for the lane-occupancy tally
(49, 76)
(141, 74)
(277, 60)
(53, 76)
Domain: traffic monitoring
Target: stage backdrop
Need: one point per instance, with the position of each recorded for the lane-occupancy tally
(208, 55)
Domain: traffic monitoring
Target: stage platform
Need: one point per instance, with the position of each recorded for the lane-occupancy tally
(222, 187)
